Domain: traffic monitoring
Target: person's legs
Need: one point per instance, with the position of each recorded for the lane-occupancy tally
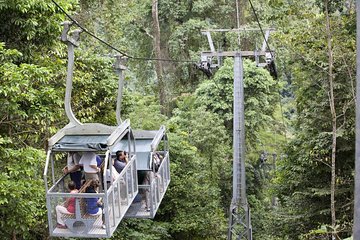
(147, 200)
(59, 211)
(100, 212)
(76, 177)
(146, 192)
(101, 207)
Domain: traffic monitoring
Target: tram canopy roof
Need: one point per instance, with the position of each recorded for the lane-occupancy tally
(88, 137)
(82, 143)
(99, 137)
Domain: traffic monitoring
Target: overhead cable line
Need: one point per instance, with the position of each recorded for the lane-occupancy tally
(267, 44)
(114, 48)
(238, 19)
(262, 31)
(293, 51)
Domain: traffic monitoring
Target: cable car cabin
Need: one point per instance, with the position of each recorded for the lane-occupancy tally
(153, 168)
(115, 192)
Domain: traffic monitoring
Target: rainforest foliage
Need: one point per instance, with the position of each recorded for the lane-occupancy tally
(289, 120)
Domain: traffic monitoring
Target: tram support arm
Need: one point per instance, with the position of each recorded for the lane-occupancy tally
(119, 68)
(71, 42)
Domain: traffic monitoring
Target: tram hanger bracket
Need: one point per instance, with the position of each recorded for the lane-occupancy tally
(120, 62)
(66, 38)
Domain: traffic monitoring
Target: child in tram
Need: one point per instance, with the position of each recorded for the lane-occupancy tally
(69, 209)
(94, 206)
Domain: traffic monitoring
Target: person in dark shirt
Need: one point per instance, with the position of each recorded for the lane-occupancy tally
(120, 161)
(94, 206)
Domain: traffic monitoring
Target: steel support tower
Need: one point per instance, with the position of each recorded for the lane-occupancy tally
(239, 219)
(239, 216)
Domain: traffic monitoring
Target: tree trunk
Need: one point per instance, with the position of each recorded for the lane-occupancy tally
(13, 235)
(333, 120)
(158, 64)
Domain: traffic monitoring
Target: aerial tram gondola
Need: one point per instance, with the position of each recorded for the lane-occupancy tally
(152, 160)
(119, 193)
(153, 168)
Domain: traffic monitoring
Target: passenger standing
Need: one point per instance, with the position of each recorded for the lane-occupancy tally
(68, 208)
(99, 161)
(88, 161)
(149, 175)
(157, 159)
(74, 168)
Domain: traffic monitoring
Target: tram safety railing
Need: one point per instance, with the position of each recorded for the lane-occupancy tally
(120, 194)
(154, 191)
(160, 183)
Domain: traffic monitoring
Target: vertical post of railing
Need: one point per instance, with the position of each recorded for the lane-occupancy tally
(129, 145)
(151, 193)
(168, 167)
(49, 211)
(156, 187)
(356, 227)
(48, 201)
(126, 186)
(46, 170)
(106, 196)
(119, 195)
(132, 178)
(107, 217)
(163, 176)
(113, 205)
(52, 169)
(157, 184)
(136, 184)
(111, 163)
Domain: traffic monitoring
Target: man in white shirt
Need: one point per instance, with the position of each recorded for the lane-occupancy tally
(88, 161)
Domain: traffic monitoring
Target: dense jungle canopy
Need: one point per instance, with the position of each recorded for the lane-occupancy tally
(299, 127)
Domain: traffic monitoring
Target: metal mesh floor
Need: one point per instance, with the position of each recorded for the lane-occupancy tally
(96, 230)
